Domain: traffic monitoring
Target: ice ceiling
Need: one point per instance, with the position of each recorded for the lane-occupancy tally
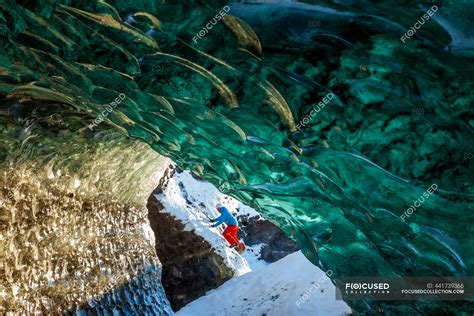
(246, 107)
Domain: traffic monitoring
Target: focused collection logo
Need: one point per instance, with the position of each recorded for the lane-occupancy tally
(367, 288)
(404, 288)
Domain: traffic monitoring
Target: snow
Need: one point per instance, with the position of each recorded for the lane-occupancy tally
(198, 191)
(290, 286)
(194, 200)
(252, 255)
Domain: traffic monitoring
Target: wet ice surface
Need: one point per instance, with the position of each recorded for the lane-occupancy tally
(405, 108)
(66, 248)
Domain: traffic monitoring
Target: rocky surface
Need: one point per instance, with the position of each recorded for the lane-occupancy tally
(190, 265)
(254, 230)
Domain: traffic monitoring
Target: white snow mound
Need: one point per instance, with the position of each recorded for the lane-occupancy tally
(290, 286)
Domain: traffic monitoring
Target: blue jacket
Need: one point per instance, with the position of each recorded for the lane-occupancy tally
(226, 217)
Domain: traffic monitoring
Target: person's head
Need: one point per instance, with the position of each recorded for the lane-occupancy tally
(219, 207)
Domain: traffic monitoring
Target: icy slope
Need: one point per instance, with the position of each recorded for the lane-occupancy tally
(190, 200)
(290, 286)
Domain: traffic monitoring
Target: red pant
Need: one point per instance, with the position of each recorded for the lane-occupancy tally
(230, 234)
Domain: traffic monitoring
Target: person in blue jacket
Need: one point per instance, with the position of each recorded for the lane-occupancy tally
(230, 233)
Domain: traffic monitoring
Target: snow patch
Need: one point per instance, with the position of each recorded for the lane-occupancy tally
(192, 201)
(252, 255)
(277, 289)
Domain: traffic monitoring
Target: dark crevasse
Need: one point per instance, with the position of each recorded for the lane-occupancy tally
(246, 107)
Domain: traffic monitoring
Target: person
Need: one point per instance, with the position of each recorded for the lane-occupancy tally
(230, 233)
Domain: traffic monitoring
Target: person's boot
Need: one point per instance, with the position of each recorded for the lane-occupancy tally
(240, 247)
